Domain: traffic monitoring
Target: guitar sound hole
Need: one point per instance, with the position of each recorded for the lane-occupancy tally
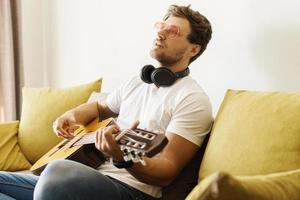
(59, 147)
(63, 144)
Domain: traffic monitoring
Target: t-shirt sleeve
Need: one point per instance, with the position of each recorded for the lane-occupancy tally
(114, 100)
(192, 118)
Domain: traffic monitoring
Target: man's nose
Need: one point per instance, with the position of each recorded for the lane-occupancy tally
(161, 35)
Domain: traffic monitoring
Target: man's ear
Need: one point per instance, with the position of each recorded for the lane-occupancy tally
(195, 49)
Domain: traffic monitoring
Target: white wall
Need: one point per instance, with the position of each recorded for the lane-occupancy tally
(32, 38)
(255, 43)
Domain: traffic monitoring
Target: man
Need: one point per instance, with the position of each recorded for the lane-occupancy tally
(175, 104)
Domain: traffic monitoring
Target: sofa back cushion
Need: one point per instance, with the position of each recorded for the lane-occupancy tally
(254, 133)
(41, 106)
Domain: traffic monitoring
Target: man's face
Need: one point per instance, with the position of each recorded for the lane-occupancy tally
(170, 47)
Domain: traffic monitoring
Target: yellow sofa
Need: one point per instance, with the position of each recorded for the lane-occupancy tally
(24, 142)
(254, 149)
(253, 152)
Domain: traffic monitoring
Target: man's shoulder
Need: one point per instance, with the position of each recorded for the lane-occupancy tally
(132, 82)
(189, 86)
(188, 90)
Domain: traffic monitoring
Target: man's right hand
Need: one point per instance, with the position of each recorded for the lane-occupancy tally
(64, 126)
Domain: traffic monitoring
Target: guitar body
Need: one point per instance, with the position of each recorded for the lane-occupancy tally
(86, 154)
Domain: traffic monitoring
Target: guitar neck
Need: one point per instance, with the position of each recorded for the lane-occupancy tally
(90, 138)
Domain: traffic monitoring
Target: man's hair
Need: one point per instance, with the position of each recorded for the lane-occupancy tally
(200, 26)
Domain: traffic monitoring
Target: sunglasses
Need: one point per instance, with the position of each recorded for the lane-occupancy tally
(171, 31)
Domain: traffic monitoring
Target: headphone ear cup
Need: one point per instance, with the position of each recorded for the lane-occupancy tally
(146, 73)
(163, 77)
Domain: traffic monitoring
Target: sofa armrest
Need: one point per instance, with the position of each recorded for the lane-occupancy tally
(11, 157)
(220, 185)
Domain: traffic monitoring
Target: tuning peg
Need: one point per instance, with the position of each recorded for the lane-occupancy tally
(130, 157)
(141, 154)
(126, 158)
(125, 152)
(141, 160)
(136, 158)
(123, 148)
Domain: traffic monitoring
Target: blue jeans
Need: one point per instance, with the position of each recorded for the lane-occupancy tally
(16, 186)
(66, 180)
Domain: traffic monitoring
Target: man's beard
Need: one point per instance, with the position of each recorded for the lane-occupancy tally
(167, 60)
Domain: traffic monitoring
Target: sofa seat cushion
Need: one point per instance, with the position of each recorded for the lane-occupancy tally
(11, 157)
(254, 133)
(41, 106)
(222, 186)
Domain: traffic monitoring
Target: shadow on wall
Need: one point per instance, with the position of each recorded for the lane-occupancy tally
(277, 53)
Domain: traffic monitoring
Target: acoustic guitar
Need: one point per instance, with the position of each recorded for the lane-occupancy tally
(135, 144)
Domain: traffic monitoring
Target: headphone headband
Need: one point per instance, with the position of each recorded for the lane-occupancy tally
(183, 73)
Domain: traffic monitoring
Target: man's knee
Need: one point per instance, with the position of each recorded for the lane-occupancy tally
(58, 167)
(67, 179)
(53, 180)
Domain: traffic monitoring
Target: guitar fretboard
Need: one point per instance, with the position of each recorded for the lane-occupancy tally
(90, 138)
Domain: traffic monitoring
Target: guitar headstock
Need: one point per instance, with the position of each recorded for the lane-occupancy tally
(138, 143)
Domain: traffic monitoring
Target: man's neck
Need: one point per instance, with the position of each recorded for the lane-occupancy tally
(177, 67)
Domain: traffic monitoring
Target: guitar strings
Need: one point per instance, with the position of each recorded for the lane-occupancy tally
(89, 138)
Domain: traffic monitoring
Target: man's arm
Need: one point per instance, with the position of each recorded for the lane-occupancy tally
(159, 170)
(81, 115)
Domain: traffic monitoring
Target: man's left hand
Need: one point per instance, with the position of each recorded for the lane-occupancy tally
(105, 141)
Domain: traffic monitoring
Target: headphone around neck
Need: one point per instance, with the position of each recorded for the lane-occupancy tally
(161, 76)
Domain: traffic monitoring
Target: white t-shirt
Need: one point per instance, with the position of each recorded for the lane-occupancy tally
(183, 109)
